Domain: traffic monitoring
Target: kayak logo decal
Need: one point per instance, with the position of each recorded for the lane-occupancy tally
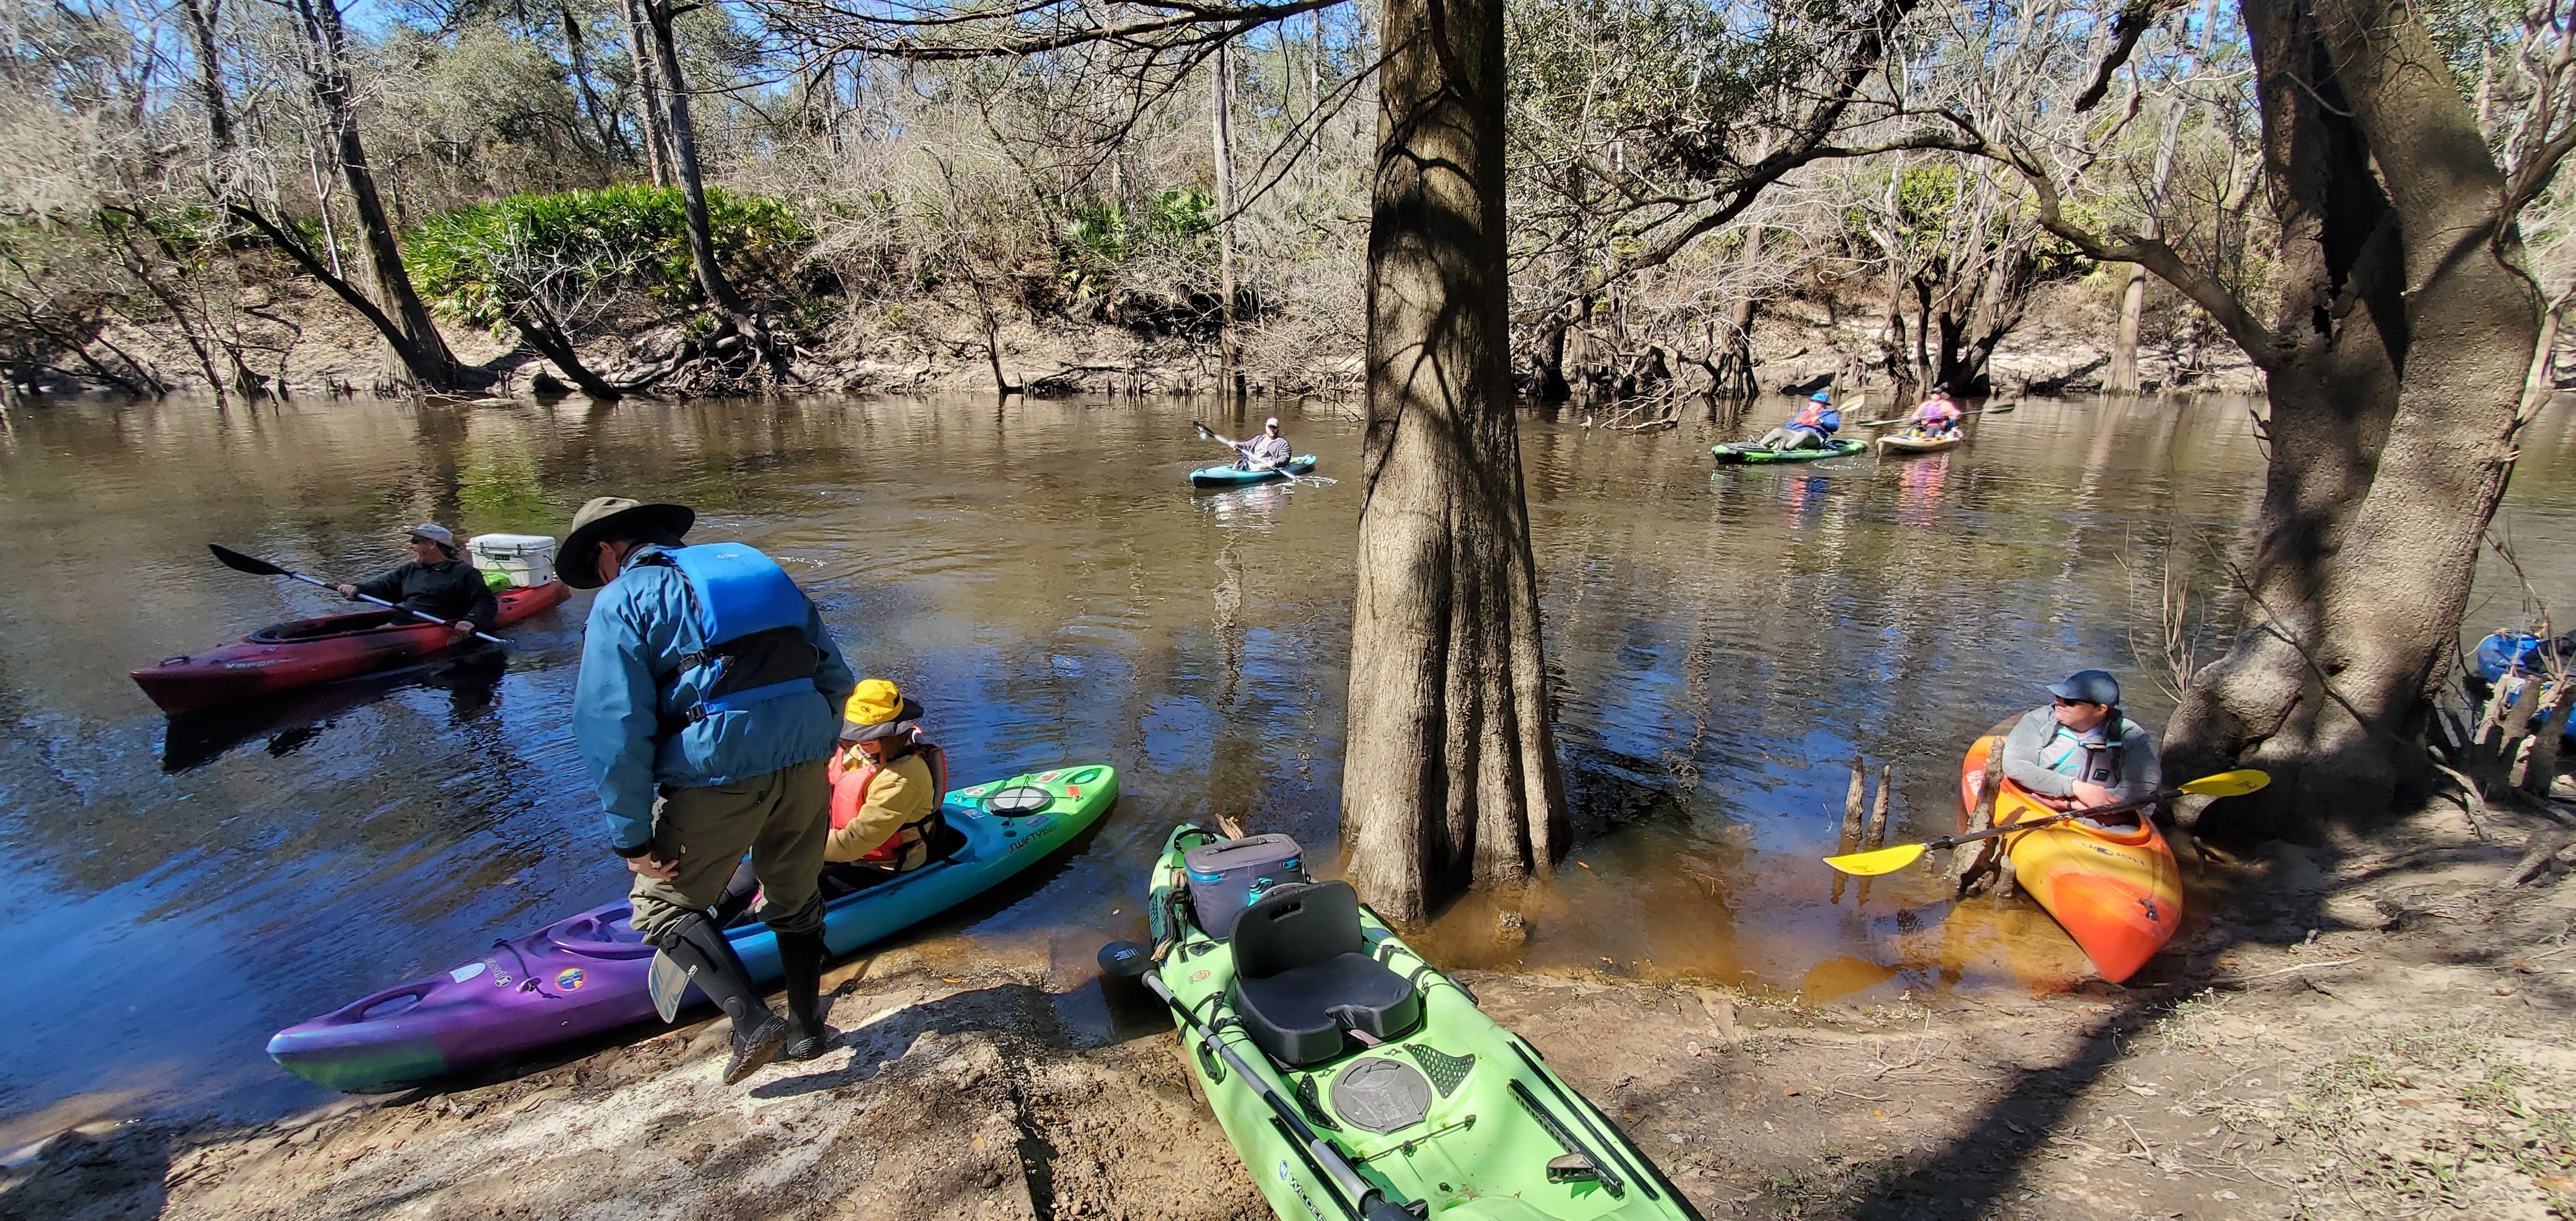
(570, 979)
(1300, 1189)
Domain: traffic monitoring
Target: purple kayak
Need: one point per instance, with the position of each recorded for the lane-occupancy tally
(586, 975)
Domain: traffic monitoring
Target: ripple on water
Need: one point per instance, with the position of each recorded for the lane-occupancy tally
(1722, 644)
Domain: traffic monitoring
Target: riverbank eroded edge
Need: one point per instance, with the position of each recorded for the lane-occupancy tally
(2409, 1052)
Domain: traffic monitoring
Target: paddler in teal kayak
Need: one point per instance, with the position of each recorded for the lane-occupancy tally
(435, 583)
(1810, 428)
(887, 785)
(886, 789)
(706, 713)
(1268, 451)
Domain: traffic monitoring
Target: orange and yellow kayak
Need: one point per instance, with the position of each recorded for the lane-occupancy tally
(2116, 891)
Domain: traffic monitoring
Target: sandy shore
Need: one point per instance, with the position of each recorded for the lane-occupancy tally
(2358, 1031)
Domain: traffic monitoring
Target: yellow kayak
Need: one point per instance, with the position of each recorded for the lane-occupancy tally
(2115, 890)
(1917, 445)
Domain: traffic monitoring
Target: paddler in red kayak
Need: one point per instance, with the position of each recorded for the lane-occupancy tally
(435, 582)
(2079, 750)
(705, 711)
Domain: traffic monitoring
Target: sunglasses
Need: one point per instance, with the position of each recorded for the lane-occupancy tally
(2063, 702)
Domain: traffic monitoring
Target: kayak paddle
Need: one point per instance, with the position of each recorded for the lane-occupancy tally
(1889, 860)
(1998, 409)
(1212, 435)
(1130, 960)
(257, 567)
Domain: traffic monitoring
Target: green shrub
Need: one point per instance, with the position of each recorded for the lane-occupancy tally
(469, 262)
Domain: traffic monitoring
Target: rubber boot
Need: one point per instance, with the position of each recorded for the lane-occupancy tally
(800, 955)
(697, 945)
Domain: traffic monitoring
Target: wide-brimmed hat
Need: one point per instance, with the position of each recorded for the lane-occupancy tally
(877, 709)
(604, 516)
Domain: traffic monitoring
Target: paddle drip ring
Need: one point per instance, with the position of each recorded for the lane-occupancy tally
(1019, 801)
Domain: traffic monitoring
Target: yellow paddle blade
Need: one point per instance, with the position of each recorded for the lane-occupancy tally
(2228, 784)
(1884, 860)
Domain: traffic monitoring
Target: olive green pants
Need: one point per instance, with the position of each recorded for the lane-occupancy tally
(780, 818)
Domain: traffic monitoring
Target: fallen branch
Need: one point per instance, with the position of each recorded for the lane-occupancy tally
(2542, 858)
(2472, 806)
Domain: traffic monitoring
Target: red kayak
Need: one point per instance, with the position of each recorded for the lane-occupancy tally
(309, 651)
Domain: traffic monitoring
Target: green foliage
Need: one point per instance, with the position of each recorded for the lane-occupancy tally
(472, 261)
(1104, 232)
(1100, 236)
(1681, 83)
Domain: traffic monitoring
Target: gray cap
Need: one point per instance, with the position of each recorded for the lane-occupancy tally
(435, 533)
(2089, 686)
(1272, 422)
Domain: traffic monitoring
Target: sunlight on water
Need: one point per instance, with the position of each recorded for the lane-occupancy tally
(1724, 643)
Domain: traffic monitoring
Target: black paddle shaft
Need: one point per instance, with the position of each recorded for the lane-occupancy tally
(1953, 841)
(258, 567)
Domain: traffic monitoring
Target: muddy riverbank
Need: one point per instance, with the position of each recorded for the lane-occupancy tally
(2362, 1031)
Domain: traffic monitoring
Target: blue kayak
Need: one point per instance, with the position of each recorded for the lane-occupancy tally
(1233, 477)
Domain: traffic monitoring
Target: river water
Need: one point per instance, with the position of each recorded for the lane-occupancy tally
(1725, 641)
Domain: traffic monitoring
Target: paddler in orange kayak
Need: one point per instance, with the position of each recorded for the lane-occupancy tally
(2080, 751)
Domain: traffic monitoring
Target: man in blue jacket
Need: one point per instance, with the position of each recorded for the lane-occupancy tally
(1810, 428)
(707, 709)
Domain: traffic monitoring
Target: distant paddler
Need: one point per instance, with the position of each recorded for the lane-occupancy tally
(708, 711)
(434, 583)
(1267, 452)
(1810, 428)
(2079, 750)
(1934, 418)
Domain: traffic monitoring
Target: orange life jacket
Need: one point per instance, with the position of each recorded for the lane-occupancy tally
(850, 794)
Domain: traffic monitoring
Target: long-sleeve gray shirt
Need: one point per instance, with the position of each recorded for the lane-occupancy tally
(1266, 450)
(2048, 758)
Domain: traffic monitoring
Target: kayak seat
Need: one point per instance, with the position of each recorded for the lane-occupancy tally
(1304, 982)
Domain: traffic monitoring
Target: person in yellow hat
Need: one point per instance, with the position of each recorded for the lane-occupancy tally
(887, 786)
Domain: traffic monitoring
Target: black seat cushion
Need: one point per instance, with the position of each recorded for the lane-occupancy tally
(1303, 977)
(1298, 1016)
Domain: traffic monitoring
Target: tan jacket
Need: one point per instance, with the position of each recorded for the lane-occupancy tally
(870, 804)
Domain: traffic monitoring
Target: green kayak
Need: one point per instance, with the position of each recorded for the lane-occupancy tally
(1752, 452)
(1357, 1082)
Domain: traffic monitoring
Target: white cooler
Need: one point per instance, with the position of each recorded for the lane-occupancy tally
(529, 559)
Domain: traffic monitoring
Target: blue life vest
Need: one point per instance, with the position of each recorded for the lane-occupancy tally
(2515, 652)
(751, 621)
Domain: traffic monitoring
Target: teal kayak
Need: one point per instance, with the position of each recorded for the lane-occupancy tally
(1356, 1080)
(1755, 452)
(586, 975)
(1231, 477)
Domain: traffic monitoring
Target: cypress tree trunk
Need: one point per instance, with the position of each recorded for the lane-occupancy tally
(2397, 362)
(693, 195)
(406, 324)
(1451, 778)
(648, 96)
